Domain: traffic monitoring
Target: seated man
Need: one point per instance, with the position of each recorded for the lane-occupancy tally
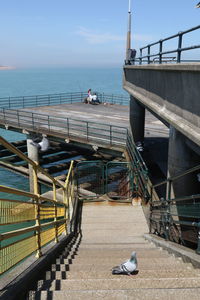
(94, 99)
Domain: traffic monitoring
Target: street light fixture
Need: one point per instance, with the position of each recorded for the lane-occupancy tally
(198, 5)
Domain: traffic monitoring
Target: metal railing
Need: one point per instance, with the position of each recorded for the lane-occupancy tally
(176, 219)
(139, 169)
(32, 221)
(67, 128)
(57, 99)
(162, 56)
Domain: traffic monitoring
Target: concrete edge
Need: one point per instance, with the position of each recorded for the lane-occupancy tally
(187, 255)
(21, 283)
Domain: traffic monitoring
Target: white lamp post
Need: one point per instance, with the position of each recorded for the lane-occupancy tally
(128, 45)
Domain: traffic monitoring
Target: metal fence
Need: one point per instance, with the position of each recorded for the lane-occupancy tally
(160, 56)
(57, 99)
(176, 219)
(67, 128)
(28, 225)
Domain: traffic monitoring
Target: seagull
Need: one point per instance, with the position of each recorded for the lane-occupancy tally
(127, 267)
(198, 5)
(43, 145)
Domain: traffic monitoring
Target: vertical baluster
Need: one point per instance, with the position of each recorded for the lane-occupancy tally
(55, 212)
(140, 58)
(160, 51)
(180, 38)
(149, 52)
(37, 211)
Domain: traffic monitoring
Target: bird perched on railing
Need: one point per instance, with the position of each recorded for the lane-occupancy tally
(127, 267)
(198, 5)
(43, 145)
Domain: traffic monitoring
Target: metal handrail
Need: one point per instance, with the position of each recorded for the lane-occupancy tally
(160, 52)
(48, 219)
(173, 178)
(16, 151)
(68, 127)
(55, 99)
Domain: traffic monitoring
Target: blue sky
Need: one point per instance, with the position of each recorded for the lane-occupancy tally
(86, 32)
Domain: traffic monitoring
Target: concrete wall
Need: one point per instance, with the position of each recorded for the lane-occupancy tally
(171, 91)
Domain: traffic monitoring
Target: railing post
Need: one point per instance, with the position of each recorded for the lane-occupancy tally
(55, 212)
(198, 241)
(66, 208)
(48, 123)
(180, 38)
(68, 127)
(110, 134)
(87, 131)
(160, 51)
(18, 118)
(37, 211)
(32, 114)
(149, 49)
(140, 58)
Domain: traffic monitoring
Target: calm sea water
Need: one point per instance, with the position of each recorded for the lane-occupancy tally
(25, 82)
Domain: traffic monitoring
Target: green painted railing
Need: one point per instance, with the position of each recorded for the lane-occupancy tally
(55, 99)
(67, 128)
(176, 219)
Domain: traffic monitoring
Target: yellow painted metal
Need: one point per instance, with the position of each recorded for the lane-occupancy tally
(13, 254)
(39, 220)
(14, 212)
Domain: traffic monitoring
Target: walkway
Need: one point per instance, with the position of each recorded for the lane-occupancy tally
(110, 233)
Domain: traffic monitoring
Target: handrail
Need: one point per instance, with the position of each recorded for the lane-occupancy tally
(160, 52)
(39, 219)
(16, 151)
(68, 127)
(55, 99)
(191, 170)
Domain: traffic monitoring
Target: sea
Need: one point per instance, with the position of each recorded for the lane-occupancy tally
(38, 81)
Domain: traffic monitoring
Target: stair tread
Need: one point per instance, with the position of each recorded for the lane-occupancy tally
(139, 294)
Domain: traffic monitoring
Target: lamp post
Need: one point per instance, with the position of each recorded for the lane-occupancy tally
(128, 43)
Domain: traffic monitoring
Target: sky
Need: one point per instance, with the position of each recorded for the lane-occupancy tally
(87, 33)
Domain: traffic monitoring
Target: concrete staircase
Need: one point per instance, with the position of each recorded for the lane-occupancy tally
(109, 234)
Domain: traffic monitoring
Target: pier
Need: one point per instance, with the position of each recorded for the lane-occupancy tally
(118, 176)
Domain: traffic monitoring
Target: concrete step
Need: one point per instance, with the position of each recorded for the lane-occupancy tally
(113, 245)
(107, 274)
(123, 283)
(80, 260)
(123, 254)
(131, 294)
(145, 265)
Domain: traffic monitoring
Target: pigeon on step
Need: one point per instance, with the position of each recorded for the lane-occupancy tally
(127, 267)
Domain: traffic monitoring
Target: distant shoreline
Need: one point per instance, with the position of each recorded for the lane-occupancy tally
(6, 68)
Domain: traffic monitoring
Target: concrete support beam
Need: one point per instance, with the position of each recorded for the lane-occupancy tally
(181, 158)
(137, 119)
(33, 155)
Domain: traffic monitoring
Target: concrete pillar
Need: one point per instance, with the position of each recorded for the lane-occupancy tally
(181, 158)
(137, 119)
(32, 152)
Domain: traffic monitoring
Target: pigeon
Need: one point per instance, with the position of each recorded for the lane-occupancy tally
(43, 145)
(127, 267)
